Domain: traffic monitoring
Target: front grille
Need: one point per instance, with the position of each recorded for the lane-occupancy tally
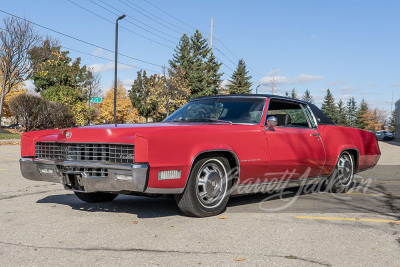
(91, 172)
(85, 152)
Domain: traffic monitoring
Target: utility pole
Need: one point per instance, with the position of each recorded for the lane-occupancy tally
(115, 69)
(273, 81)
(257, 88)
(211, 34)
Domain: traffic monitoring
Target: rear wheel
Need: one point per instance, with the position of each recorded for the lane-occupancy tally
(96, 197)
(207, 190)
(342, 177)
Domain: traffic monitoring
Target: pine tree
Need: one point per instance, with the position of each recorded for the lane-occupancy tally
(293, 94)
(240, 80)
(361, 115)
(329, 106)
(351, 112)
(213, 76)
(182, 56)
(308, 97)
(140, 94)
(342, 114)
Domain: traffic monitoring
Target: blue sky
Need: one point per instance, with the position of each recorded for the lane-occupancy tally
(351, 47)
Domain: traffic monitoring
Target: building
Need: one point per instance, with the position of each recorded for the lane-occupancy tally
(397, 119)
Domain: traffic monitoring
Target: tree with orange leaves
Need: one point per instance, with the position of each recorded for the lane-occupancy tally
(126, 113)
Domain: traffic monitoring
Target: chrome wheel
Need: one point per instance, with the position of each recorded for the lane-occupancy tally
(211, 183)
(345, 169)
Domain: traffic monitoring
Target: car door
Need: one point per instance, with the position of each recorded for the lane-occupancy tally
(295, 146)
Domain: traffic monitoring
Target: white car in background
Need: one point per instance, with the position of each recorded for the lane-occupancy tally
(384, 135)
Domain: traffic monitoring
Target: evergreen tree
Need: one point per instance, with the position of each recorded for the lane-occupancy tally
(392, 124)
(293, 94)
(342, 114)
(361, 115)
(182, 56)
(140, 95)
(213, 76)
(329, 106)
(200, 66)
(308, 97)
(240, 80)
(351, 112)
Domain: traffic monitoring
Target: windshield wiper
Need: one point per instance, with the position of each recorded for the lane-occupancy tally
(202, 120)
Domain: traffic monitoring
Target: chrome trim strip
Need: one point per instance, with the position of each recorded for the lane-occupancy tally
(162, 191)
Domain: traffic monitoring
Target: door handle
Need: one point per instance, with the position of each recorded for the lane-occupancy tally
(315, 134)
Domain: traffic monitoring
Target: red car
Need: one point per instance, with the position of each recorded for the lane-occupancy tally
(208, 150)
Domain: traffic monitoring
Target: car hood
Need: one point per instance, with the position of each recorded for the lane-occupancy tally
(121, 133)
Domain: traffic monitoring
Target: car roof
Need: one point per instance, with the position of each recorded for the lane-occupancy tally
(252, 96)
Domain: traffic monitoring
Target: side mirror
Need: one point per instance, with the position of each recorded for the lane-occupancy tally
(272, 121)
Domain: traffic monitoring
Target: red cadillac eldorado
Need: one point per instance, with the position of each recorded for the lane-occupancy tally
(208, 150)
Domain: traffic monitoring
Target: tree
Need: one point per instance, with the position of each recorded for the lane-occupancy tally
(240, 80)
(329, 106)
(59, 78)
(17, 38)
(213, 76)
(140, 93)
(361, 115)
(392, 123)
(342, 114)
(351, 111)
(308, 97)
(194, 57)
(126, 113)
(293, 94)
(18, 89)
(374, 119)
(38, 114)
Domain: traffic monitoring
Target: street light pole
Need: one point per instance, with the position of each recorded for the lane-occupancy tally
(257, 88)
(115, 70)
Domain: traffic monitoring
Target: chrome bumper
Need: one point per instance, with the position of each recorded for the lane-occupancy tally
(128, 177)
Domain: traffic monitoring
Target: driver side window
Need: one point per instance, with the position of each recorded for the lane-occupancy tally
(288, 114)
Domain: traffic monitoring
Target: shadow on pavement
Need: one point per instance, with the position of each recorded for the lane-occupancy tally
(143, 207)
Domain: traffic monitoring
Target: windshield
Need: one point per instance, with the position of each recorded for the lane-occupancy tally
(223, 110)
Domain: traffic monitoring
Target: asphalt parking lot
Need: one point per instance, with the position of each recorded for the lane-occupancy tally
(41, 224)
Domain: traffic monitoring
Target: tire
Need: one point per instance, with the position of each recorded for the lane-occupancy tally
(342, 177)
(96, 197)
(207, 190)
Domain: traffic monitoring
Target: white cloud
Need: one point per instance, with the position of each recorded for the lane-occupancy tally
(103, 67)
(282, 79)
(98, 52)
(394, 85)
(304, 78)
(128, 83)
(348, 89)
(224, 83)
(313, 37)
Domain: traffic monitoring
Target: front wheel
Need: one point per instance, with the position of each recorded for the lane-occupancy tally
(342, 177)
(96, 197)
(207, 190)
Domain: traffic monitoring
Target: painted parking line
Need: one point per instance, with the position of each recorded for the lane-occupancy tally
(9, 158)
(16, 151)
(3, 169)
(346, 219)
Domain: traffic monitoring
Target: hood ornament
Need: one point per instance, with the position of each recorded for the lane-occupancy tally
(68, 135)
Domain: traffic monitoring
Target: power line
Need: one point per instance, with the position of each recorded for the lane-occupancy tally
(150, 17)
(156, 16)
(104, 58)
(77, 39)
(119, 26)
(131, 17)
(127, 20)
